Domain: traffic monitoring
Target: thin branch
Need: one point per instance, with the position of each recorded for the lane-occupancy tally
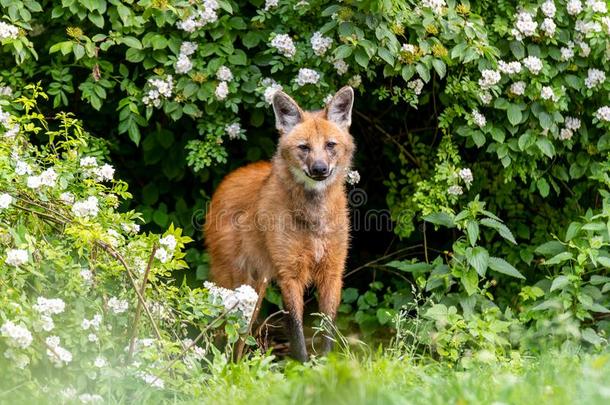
(381, 259)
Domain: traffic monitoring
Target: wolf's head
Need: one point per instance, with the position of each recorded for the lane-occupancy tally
(316, 146)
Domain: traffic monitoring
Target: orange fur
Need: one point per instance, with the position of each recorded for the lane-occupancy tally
(270, 221)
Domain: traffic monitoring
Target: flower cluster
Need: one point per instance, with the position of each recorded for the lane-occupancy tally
(117, 306)
(525, 26)
(206, 14)
(603, 114)
(46, 178)
(166, 251)
(307, 76)
(58, 355)
(269, 4)
(8, 31)
(595, 77)
(271, 87)
(5, 200)
(225, 75)
(533, 64)
(320, 44)
(284, 44)
(352, 177)
(16, 257)
(86, 208)
(416, 85)
(489, 78)
(518, 88)
(340, 66)
(51, 306)
(435, 5)
(466, 176)
(91, 169)
(478, 118)
(242, 299)
(17, 335)
(509, 68)
(234, 130)
(184, 63)
(158, 89)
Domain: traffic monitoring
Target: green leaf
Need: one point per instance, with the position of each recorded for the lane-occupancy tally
(386, 56)
(349, 295)
(559, 258)
(560, 282)
(502, 266)
(546, 121)
(479, 259)
(514, 114)
(543, 187)
(470, 281)
(472, 230)
(440, 218)
(343, 51)
(500, 227)
(546, 146)
(589, 335)
(419, 267)
(361, 57)
(132, 42)
(572, 231)
(440, 67)
(550, 248)
(517, 49)
(423, 72)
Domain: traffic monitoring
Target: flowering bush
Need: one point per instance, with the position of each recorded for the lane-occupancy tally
(86, 297)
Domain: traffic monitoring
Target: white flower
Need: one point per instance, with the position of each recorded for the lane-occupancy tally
(478, 118)
(100, 362)
(320, 44)
(188, 48)
(224, 74)
(606, 23)
(104, 173)
(162, 255)
(548, 8)
(67, 197)
(595, 77)
(565, 134)
(222, 91)
(567, 53)
(603, 114)
(22, 168)
(270, 91)
(518, 88)
(269, 4)
(533, 64)
(355, 81)
(34, 182)
(49, 306)
(572, 123)
(117, 306)
(340, 66)
(435, 5)
(586, 27)
(90, 398)
(598, 6)
(183, 64)
(455, 190)
(242, 299)
(17, 335)
(352, 177)
(68, 393)
(485, 97)
(284, 44)
(548, 26)
(151, 380)
(5, 200)
(416, 85)
(92, 337)
(46, 323)
(57, 354)
(12, 131)
(233, 130)
(169, 241)
(8, 31)
(88, 161)
(489, 78)
(130, 228)
(466, 175)
(87, 276)
(409, 49)
(585, 49)
(6, 91)
(206, 14)
(547, 93)
(510, 68)
(525, 26)
(85, 324)
(328, 99)
(158, 89)
(574, 7)
(86, 208)
(307, 76)
(20, 360)
(16, 257)
(96, 321)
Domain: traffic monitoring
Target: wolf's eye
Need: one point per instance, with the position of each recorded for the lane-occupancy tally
(330, 144)
(304, 148)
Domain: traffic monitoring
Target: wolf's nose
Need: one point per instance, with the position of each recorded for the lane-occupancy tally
(319, 168)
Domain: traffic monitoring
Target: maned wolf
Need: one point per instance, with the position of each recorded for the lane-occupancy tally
(287, 220)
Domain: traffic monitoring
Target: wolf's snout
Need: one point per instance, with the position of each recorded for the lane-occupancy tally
(319, 168)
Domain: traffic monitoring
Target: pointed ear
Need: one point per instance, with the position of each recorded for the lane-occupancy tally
(339, 110)
(287, 112)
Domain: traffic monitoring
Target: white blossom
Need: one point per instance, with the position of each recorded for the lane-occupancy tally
(284, 44)
(5, 200)
(234, 131)
(455, 190)
(567, 53)
(206, 14)
(489, 78)
(525, 26)
(90, 398)
(340, 66)
(34, 182)
(549, 27)
(48, 177)
(606, 23)
(86, 208)
(183, 64)
(603, 113)
(586, 27)
(224, 74)
(320, 44)
(22, 168)
(408, 48)
(355, 81)
(269, 4)
(548, 8)
(168, 241)
(546, 93)
(307, 76)
(435, 5)
(46, 323)
(92, 337)
(68, 393)
(485, 97)
(222, 91)
(96, 321)
(598, 6)
(87, 276)
(595, 77)
(17, 335)
(16, 257)
(49, 306)
(585, 49)
(100, 362)
(59, 356)
(158, 89)
(6, 91)
(565, 134)
(243, 298)
(12, 131)
(67, 197)
(466, 175)
(416, 85)
(328, 99)
(130, 228)
(104, 173)
(188, 48)
(20, 360)
(574, 7)
(117, 306)
(533, 64)
(162, 255)
(8, 31)
(478, 118)
(572, 123)
(271, 87)
(151, 380)
(509, 68)
(88, 161)
(352, 177)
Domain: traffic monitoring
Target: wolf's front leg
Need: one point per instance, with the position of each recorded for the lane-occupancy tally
(292, 296)
(329, 293)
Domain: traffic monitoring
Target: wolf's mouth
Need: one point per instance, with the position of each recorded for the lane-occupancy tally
(319, 177)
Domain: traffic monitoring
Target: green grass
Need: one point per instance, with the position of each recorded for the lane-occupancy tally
(550, 379)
